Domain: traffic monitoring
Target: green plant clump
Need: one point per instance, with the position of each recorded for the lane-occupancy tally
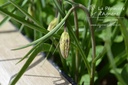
(93, 48)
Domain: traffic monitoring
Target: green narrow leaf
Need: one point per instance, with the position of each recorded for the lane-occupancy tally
(110, 55)
(49, 34)
(25, 13)
(79, 48)
(49, 50)
(7, 18)
(47, 47)
(43, 2)
(58, 7)
(26, 65)
(71, 2)
(124, 73)
(22, 26)
(29, 52)
(5, 4)
(44, 38)
(125, 34)
(4, 20)
(24, 2)
(22, 21)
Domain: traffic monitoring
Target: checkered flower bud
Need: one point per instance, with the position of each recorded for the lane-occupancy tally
(31, 10)
(52, 24)
(64, 44)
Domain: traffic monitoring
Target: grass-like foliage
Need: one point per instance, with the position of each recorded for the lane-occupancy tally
(88, 39)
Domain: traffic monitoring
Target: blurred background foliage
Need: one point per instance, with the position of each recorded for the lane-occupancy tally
(110, 22)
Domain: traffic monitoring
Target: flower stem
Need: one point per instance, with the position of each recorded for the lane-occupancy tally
(77, 35)
(92, 74)
(93, 44)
